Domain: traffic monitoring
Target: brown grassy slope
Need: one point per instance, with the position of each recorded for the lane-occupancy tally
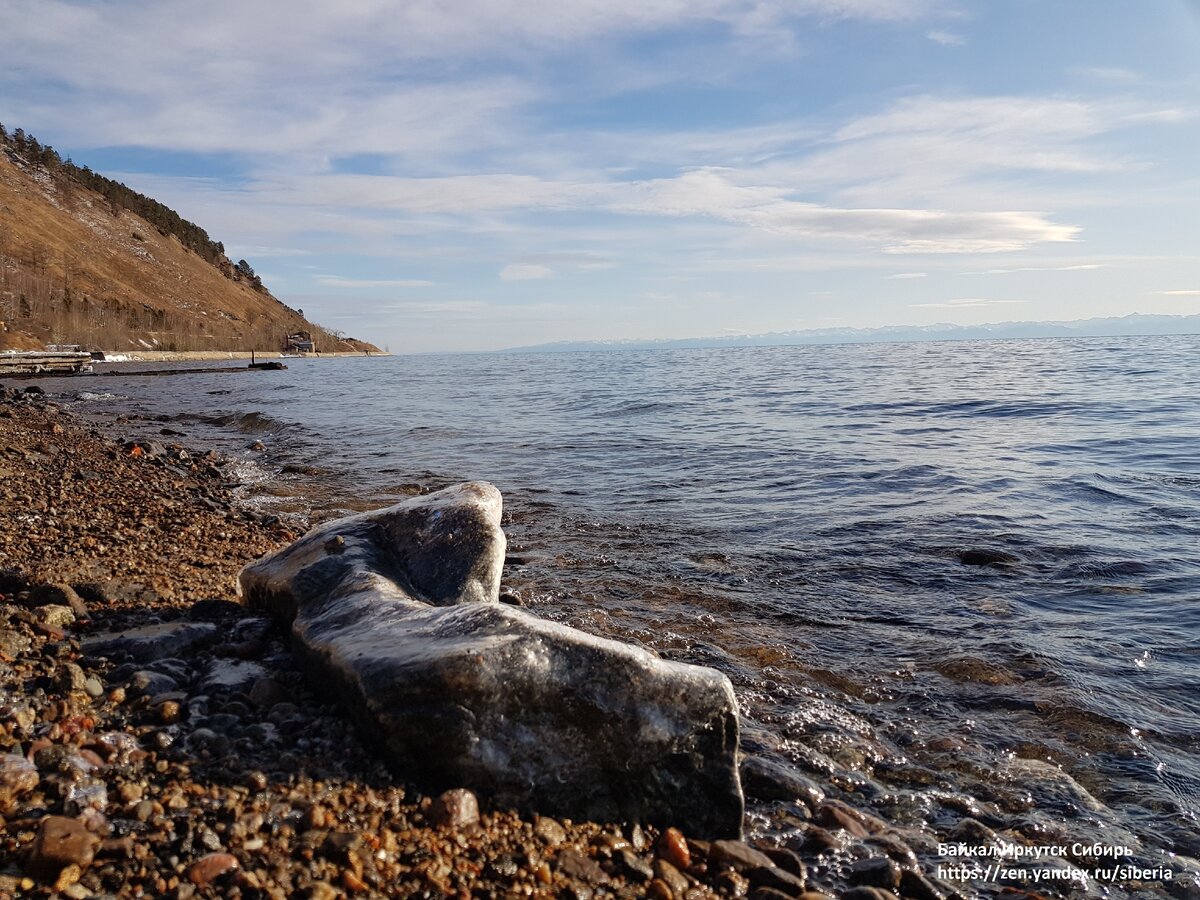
(105, 278)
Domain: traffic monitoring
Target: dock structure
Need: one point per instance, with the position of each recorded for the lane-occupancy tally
(44, 362)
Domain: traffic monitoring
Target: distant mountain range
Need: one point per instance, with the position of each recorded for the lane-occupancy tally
(1132, 325)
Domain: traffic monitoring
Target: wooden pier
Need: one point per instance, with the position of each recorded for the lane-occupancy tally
(47, 362)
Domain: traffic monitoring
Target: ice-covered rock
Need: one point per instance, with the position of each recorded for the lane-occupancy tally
(397, 612)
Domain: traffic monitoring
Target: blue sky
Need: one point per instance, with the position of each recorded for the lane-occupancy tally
(474, 174)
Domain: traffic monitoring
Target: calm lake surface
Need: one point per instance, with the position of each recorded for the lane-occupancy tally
(797, 517)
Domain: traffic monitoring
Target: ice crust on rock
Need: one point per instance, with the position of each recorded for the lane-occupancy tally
(396, 612)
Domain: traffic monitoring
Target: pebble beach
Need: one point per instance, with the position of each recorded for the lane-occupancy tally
(191, 759)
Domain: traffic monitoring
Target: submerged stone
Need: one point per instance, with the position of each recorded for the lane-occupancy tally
(151, 642)
(397, 612)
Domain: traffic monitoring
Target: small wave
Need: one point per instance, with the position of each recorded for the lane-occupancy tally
(250, 423)
(97, 396)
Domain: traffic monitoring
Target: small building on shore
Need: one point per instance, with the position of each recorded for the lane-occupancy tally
(300, 342)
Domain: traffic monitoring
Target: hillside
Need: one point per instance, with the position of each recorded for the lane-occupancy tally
(78, 265)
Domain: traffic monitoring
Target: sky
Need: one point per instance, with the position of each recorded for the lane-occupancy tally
(449, 175)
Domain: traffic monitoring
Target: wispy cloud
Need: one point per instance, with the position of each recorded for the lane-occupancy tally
(336, 281)
(964, 303)
(946, 38)
(518, 272)
(1189, 293)
(1084, 267)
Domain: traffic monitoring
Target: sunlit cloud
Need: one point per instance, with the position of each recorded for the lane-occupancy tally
(1189, 293)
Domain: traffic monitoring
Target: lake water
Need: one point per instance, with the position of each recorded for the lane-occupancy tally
(799, 517)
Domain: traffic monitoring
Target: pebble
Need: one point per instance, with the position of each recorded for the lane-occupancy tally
(674, 849)
(209, 868)
(455, 809)
(877, 871)
(835, 817)
(671, 876)
(61, 842)
(576, 865)
(738, 855)
(18, 776)
(773, 877)
(633, 866)
(548, 831)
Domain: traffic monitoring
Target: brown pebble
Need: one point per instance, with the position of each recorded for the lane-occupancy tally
(67, 877)
(61, 842)
(658, 890)
(315, 817)
(353, 883)
(169, 712)
(116, 695)
(674, 849)
(208, 869)
(834, 817)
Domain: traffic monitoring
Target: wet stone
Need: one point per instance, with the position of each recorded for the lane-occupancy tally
(671, 877)
(232, 675)
(774, 877)
(61, 842)
(151, 642)
(674, 849)
(18, 776)
(738, 855)
(404, 622)
(768, 780)
(877, 871)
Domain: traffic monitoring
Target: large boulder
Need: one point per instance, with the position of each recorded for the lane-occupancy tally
(397, 612)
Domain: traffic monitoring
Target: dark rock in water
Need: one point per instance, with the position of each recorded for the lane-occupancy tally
(766, 779)
(403, 623)
(980, 557)
(151, 642)
(232, 675)
(876, 871)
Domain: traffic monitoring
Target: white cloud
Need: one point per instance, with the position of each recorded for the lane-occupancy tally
(904, 275)
(517, 272)
(1179, 293)
(946, 38)
(712, 193)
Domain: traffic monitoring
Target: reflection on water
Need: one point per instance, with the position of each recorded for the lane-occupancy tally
(952, 579)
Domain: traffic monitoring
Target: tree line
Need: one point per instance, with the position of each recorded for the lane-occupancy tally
(28, 149)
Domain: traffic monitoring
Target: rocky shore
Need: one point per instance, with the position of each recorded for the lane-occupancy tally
(158, 738)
